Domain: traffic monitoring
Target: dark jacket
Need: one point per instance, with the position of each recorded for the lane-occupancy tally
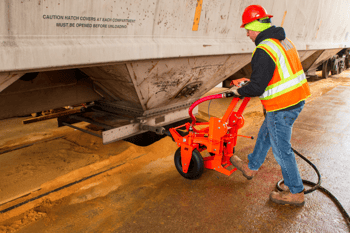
(262, 64)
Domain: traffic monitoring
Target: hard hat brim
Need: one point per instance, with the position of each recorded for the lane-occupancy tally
(270, 16)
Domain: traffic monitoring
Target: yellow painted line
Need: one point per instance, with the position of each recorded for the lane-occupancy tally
(284, 16)
(197, 15)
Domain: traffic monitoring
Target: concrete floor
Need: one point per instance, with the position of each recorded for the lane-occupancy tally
(160, 200)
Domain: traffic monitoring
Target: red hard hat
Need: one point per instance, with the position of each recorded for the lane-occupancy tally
(253, 12)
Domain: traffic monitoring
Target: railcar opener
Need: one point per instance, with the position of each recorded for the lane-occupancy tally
(218, 137)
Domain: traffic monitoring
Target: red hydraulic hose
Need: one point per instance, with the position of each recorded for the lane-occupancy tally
(210, 97)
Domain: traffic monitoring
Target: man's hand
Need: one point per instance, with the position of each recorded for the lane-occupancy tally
(232, 94)
(234, 90)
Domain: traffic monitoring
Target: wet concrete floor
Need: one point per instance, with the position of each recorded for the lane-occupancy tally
(158, 199)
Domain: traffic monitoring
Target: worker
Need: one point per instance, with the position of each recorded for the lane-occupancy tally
(279, 80)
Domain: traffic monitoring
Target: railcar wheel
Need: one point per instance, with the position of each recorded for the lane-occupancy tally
(325, 69)
(335, 70)
(335, 65)
(341, 66)
(196, 168)
(347, 59)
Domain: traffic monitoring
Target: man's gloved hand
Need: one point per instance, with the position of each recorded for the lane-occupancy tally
(237, 84)
(234, 90)
(232, 94)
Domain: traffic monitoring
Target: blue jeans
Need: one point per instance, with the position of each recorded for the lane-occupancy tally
(276, 132)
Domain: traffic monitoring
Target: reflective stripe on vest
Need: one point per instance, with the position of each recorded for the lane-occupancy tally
(284, 87)
(286, 71)
(285, 81)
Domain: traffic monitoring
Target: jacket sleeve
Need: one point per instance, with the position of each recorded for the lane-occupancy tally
(263, 68)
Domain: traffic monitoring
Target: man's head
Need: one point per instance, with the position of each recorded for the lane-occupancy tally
(255, 20)
(252, 34)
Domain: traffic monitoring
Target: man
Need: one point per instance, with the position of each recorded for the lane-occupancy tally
(279, 80)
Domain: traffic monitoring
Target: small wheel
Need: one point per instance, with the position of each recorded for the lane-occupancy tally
(196, 168)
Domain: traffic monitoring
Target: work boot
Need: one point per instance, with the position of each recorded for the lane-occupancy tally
(284, 187)
(243, 167)
(287, 198)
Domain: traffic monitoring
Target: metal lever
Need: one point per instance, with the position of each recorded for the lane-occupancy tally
(251, 137)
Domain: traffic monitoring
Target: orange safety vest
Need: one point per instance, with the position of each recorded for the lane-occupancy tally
(288, 85)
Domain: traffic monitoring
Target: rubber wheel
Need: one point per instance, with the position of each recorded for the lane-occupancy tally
(196, 168)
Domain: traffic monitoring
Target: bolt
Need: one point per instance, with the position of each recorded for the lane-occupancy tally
(184, 140)
(219, 121)
(214, 149)
(218, 127)
(229, 142)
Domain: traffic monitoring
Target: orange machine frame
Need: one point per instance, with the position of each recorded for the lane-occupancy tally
(219, 138)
